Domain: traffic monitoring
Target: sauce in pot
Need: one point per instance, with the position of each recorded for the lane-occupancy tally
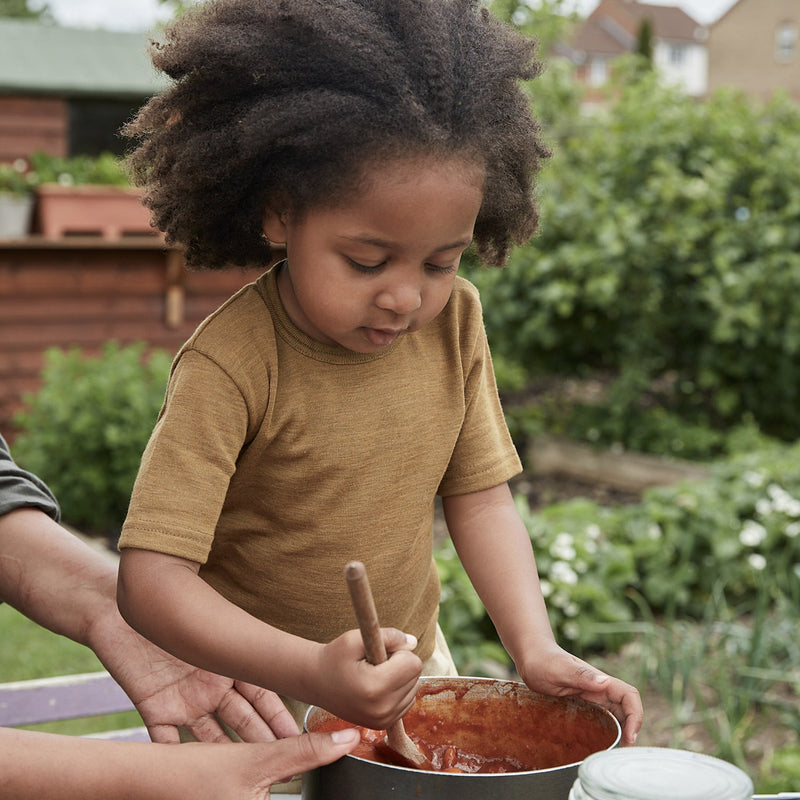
(472, 728)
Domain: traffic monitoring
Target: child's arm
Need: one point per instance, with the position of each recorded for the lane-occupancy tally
(164, 598)
(495, 549)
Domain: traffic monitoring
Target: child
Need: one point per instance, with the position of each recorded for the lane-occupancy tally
(315, 416)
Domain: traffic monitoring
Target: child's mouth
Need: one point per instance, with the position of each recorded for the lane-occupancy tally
(381, 337)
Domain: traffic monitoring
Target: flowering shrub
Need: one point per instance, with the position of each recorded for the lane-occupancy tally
(740, 529)
(737, 532)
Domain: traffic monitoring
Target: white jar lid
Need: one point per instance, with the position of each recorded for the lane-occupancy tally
(659, 773)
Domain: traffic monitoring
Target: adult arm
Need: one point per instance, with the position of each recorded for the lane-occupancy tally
(165, 599)
(60, 582)
(43, 766)
(494, 547)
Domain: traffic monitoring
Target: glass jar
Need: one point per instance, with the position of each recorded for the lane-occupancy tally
(658, 773)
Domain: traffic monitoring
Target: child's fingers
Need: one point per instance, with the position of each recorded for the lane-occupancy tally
(394, 640)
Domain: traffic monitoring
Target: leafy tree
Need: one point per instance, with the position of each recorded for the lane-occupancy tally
(19, 9)
(546, 20)
(668, 256)
(644, 41)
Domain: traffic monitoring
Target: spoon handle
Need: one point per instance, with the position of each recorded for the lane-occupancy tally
(366, 613)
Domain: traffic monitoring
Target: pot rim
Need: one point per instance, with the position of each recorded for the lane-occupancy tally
(488, 775)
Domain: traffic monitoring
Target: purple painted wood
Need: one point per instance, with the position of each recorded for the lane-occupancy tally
(65, 697)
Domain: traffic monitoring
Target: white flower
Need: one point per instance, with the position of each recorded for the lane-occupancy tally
(752, 533)
(547, 588)
(593, 531)
(20, 165)
(564, 539)
(654, 532)
(782, 501)
(753, 478)
(763, 507)
(571, 609)
(792, 529)
(561, 572)
(571, 630)
(65, 179)
(757, 561)
(563, 547)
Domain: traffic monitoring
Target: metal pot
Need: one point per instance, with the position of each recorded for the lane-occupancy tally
(492, 718)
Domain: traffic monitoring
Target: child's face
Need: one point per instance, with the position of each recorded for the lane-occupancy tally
(364, 273)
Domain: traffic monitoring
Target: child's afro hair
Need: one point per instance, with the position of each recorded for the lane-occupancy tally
(289, 101)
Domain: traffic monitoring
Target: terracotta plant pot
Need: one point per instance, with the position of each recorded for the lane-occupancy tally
(110, 211)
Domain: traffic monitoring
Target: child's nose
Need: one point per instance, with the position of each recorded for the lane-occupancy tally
(401, 297)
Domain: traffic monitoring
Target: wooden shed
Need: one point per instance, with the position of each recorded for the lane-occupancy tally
(67, 91)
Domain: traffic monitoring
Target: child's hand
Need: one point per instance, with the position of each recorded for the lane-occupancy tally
(555, 672)
(365, 694)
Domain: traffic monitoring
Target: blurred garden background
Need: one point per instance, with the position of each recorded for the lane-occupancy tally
(653, 313)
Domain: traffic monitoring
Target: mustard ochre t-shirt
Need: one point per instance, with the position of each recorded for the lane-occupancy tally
(276, 459)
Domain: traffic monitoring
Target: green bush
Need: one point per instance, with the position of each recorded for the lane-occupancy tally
(669, 249)
(85, 430)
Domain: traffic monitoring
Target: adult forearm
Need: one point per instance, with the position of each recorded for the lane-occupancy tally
(39, 766)
(51, 576)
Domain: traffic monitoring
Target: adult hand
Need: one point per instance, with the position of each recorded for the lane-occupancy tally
(47, 766)
(169, 693)
(556, 672)
(260, 766)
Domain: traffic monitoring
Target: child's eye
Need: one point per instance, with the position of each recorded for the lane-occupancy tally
(364, 267)
(443, 270)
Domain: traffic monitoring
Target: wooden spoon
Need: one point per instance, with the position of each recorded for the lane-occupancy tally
(397, 740)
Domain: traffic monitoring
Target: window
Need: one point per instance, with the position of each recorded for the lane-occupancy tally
(598, 71)
(677, 54)
(786, 42)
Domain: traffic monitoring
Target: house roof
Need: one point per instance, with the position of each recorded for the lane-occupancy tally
(669, 22)
(611, 29)
(37, 58)
(596, 36)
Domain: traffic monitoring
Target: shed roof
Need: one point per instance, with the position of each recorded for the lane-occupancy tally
(36, 58)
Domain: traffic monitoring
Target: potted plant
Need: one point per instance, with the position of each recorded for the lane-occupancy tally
(17, 183)
(87, 195)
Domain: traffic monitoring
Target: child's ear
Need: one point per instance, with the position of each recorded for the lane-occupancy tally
(274, 225)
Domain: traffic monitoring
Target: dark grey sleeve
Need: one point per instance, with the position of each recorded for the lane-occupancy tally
(20, 489)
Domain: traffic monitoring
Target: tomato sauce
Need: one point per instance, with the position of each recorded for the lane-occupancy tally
(479, 726)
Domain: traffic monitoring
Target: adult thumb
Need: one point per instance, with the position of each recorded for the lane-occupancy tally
(302, 753)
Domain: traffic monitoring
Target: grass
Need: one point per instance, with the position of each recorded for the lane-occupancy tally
(727, 685)
(30, 651)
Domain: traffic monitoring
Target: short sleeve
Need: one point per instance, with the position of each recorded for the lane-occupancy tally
(22, 489)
